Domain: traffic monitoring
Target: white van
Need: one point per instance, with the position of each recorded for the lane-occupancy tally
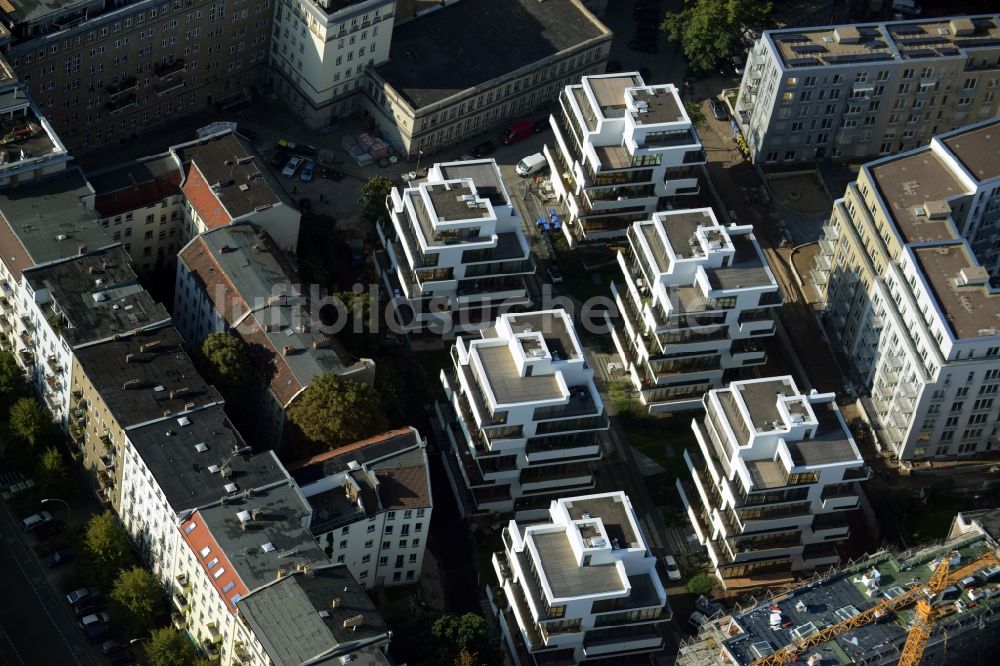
(530, 164)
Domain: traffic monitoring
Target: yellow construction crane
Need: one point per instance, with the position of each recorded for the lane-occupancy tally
(922, 626)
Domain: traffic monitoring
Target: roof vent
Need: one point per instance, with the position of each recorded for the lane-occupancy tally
(243, 516)
(231, 487)
(267, 547)
(183, 421)
(200, 447)
(213, 468)
(61, 237)
(257, 513)
(100, 297)
(324, 614)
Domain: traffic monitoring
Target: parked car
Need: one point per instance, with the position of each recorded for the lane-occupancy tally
(516, 131)
(697, 619)
(82, 594)
(308, 171)
(94, 618)
(718, 108)
(107, 647)
(530, 164)
(541, 125)
(121, 658)
(279, 159)
(49, 528)
(555, 275)
(88, 606)
(58, 558)
(35, 520)
(739, 64)
(967, 582)
(906, 7)
(97, 631)
(292, 166)
(975, 594)
(484, 149)
(305, 206)
(673, 573)
(708, 605)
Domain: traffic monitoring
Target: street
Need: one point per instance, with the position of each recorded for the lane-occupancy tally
(36, 625)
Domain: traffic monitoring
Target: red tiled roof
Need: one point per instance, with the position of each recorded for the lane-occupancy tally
(142, 194)
(199, 537)
(384, 437)
(403, 487)
(203, 199)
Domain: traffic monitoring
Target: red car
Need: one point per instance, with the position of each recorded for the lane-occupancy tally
(517, 130)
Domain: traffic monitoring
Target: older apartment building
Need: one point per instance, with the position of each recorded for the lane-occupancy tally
(371, 506)
(236, 279)
(320, 51)
(581, 586)
(622, 151)
(455, 250)
(904, 272)
(523, 415)
(695, 305)
(104, 72)
(774, 472)
(122, 382)
(854, 91)
(516, 55)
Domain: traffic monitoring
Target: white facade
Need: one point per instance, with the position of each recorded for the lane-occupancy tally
(854, 91)
(581, 585)
(904, 270)
(772, 475)
(695, 305)
(319, 51)
(622, 151)
(456, 250)
(526, 415)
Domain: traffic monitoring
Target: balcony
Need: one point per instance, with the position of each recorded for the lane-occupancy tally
(179, 621)
(501, 566)
(180, 602)
(116, 105)
(122, 86)
(163, 69)
(167, 85)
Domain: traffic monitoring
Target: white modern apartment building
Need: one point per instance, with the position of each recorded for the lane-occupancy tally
(523, 417)
(580, 586)
(771, 480)
(852, 91)
(320, 50)
(695, 306)
(371, 506)
(904, 270)
(456, 255)
(622, 150)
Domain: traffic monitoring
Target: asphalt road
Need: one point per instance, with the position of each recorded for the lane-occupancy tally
(36, 626)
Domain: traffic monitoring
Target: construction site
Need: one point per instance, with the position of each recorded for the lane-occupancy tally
(937, 604)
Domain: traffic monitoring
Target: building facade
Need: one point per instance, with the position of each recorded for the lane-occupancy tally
(851, 91)
(106, 72)
(580, 587)
(524, 416)
(371, 506)
(773, 475)
(320, 51)
(518, 55)
(695, 305)
(455, 250)
(909, 300)
(622, 151)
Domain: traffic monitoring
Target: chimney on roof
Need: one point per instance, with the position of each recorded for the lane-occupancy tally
(129, 357)
(335, 603)
(256, 513)
(81, 249)
(281, 573)
(286, 350)
(149, 345)
(320, 343)
(188, 405)
(130, 382)
(176, 393)
(226, 248)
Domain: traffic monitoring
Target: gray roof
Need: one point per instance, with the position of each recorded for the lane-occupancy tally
(98, 295)
(30, 10)
(470, 43)
(49, 219)
(747, 268)
(279, 512)
(761, 400)
(484, 174)
(185, 474)
(831, 443)
(129, 174)
(295, 621)
(612, 512)
(565, 577)
(140, 377)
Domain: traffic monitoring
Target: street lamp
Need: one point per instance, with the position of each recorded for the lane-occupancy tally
(420, 154)
(139, 640)
(63, 502)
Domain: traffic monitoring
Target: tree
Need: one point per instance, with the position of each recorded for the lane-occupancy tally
(139, 598)
(53, 473)
(226, 358)
(334, 411)
(702, 583)
(387, 386)
(168, 647)
(468, 634)
(467, 658)
(694, 112)
(30, 422)
(106, 545)
(12, 385)
(372, 199)
(712, 30)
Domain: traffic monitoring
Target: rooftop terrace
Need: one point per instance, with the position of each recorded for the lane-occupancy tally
(747, 268)
(971, 310)
(612, 512)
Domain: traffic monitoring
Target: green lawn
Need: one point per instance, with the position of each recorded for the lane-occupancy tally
(652, 434)
(579, 267)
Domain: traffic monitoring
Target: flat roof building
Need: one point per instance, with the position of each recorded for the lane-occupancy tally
(516, 55)
(695, 305)
(580, 585)
(851, 91)
(906, 270)
(774, 472)
(622, 150)
(523, 415)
